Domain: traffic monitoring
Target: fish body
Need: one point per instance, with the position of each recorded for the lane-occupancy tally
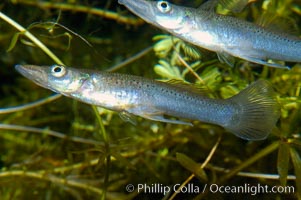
(250, 115)
(225, 35)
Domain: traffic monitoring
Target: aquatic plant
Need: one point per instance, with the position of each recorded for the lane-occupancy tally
(59, 148)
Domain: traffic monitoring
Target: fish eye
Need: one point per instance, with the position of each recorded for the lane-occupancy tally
(164, 6)
(58, 71)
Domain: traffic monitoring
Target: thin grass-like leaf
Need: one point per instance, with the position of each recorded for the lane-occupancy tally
(297, 167)
(13, 42)
(282, 162)
(192, 166)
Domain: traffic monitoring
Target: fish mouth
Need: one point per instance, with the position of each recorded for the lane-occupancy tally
(35, 73)
(143, 9)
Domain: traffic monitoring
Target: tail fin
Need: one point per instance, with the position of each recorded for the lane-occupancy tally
(258, 113)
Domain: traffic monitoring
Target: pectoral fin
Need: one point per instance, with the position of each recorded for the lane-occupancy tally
(128, 117)
(226, 58)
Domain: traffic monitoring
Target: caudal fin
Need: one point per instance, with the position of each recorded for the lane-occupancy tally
(258, 113)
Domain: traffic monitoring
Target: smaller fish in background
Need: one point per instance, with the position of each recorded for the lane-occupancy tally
(227, 36)
(250, 115)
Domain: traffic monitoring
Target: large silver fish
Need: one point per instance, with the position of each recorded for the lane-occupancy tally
(226, 35)
(250, 115)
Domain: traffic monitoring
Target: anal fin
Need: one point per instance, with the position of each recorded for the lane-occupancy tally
(161, 118)
(152, 113)
(262, 62)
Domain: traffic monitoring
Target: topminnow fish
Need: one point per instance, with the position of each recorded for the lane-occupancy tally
(250, 115)
(226, 35)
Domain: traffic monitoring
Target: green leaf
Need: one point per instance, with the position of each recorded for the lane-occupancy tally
(14, 41)
(123, 160)
(165, 70)
(191, 51)
(163, 46)
(192, 166)
(297, 166)
(282, 162)
(295, 142)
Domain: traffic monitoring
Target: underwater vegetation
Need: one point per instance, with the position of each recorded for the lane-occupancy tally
(54, 147)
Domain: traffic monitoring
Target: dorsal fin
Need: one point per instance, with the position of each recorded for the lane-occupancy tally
(195, 88)
(235, 6)
(274, 23)
(275, 19)
(209, 5)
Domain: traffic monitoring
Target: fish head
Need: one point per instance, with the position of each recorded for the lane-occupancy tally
(160, 13)
(57, 78)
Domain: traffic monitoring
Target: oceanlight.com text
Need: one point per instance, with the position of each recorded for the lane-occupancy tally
(158, 188)
(251, 189)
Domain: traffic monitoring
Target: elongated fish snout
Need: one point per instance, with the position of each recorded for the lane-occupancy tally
(33, 72)
(19, 68)
(143, 9)
(136, 5)
(23, 69)
(27, 70)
